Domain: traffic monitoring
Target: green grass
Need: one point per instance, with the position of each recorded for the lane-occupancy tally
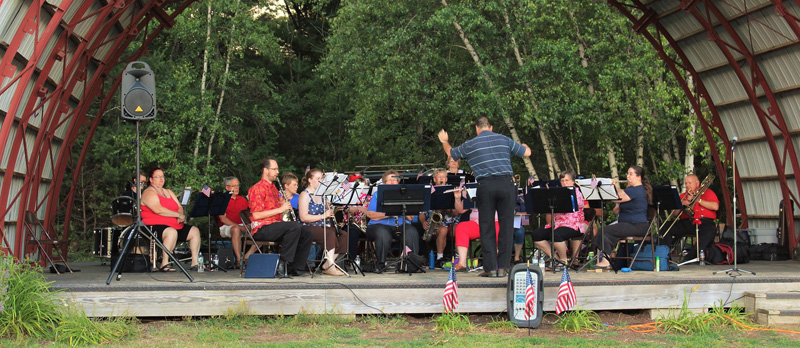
(453, 323)
(579, 320)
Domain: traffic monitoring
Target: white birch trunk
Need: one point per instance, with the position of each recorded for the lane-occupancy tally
(203, 83)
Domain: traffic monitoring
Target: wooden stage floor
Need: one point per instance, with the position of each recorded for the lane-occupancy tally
(214, 293)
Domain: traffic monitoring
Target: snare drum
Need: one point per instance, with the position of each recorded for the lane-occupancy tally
(106, 241)
(123, 211)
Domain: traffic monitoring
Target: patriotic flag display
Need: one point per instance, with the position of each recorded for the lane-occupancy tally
(530, 296)
(566, 294)
(450, 297)
(206, 191)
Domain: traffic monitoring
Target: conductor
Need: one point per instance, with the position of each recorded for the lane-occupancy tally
(489, 156)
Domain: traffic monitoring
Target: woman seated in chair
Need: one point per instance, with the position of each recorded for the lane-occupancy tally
(631, 209)
(467, 230)
(162, 211)
(567, 225)
(313, 214)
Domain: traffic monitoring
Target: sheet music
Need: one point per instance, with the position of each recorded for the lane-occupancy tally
(352, 196)
(187, 192)
(603, 188)
(331, 184)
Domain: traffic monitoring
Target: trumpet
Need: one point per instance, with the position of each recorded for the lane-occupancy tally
(435, 223)
(289, 214)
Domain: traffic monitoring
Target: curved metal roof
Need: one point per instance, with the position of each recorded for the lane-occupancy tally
(56, 55)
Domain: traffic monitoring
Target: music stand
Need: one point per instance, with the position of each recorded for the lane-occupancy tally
(602, 190)
(404, 200)
(351, 196)
(552, 200)
(212, 205)
(330, 185)
(667, 198)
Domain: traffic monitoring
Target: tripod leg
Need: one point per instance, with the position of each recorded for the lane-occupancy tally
(123, 254)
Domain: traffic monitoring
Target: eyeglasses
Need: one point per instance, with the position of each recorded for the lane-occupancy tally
(233, 186)
(158, 177)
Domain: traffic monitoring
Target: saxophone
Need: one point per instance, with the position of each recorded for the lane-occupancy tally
(433, 226)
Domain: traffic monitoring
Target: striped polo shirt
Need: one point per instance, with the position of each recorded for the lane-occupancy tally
(489, 154)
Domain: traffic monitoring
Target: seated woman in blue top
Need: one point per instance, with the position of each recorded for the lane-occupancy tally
(631, 209)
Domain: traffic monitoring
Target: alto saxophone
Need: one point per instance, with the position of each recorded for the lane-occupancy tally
(435, 223)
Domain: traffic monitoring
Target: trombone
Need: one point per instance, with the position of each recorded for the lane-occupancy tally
(689, 208)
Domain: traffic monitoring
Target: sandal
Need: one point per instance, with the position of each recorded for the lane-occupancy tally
(166, 268)
(333, 271)
(605, 268)
(459, 267)
(193, 268)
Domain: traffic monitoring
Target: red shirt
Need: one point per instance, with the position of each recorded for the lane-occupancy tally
(700, 212)
(150, 218)
(235, 205)
(263, 196)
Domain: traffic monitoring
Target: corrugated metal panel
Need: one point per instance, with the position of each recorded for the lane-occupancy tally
(734, 8)
(763, 30)
(780, 68)
(47, 54)
(789, 103)
(41, 197)
(47, 170)
(723, 85)
(11, 14)
(61, 131)
(740, 120)
(16, 186)
(754, 159)
(702, 52)
(680, 25)
(82, 28)
(10, 230)
(763, 197)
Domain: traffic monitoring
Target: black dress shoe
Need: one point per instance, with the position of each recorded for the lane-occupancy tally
(380, 268)
(486, 274)
(501, 273)
(298, 272)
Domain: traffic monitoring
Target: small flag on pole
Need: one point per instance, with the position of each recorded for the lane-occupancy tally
(450, 297)
(206, 191)
(530, 296)
(566, 294)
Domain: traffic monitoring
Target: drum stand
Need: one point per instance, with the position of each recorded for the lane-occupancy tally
(139, 228)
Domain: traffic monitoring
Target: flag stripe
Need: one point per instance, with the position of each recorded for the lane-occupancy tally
(566, 294)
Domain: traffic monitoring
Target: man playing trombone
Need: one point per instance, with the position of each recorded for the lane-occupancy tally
(703, 204)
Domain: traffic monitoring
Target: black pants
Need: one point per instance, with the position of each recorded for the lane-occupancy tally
(355, 234)
(611, 234)
(496, 194)
(382, 235)
(561, 234)
(685, 227)
(295, 241)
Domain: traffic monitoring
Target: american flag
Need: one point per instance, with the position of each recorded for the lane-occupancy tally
(450, 297)
(594, 182)
(347, 186)
(530, 296)
(206, 191)
(566, 294)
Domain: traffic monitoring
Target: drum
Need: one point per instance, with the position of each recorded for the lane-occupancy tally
(123, 211)
(106, 241)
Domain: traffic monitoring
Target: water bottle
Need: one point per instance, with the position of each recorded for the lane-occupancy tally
(200, 263)
(431, 260)
(358, 261)
(541, 263)
(591, 259)
(658, 263)
(215, 260)
(702, 257)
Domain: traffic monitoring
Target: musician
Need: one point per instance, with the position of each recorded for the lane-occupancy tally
(291, 184)
(162, 211)
(448, 219)
(132, 190)
(488, 154)
(631, 209)
(705, 210)
(452, 166)
(266, 210)
(567, 225)
(230, 224)
(314, 215)
(356, 215)
(383, 229)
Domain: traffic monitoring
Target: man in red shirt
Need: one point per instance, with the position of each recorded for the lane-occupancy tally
(266, 209)
(705, 210)
(230, 224)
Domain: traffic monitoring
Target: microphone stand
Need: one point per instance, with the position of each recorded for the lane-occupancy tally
(735, 270)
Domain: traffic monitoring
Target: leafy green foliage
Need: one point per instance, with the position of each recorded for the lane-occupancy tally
(29, 308)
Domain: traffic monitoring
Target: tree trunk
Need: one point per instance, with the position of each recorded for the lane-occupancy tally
(551, 161)
(490, 82)
(640, 140)
(222, 88)
(612, 161)
(688, 158)
(203, 85)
